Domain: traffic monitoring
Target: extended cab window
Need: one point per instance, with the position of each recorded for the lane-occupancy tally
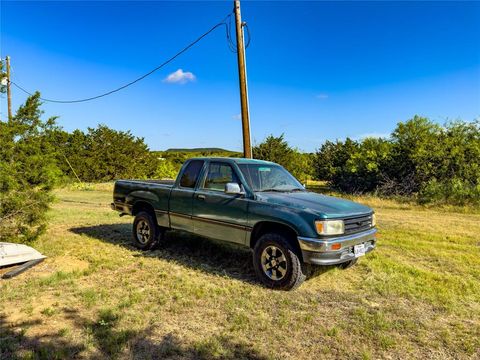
(218, 175)
(190, 175)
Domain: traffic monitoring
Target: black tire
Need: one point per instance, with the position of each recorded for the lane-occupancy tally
(288, 274)
(150, 234)
(347, 264)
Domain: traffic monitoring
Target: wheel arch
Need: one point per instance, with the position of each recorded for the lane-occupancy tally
(265, 227)
(142, 205)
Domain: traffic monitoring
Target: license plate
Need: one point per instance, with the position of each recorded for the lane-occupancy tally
(359, 250)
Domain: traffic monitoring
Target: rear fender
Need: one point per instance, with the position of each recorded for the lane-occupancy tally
(137, 195)
(148, 197)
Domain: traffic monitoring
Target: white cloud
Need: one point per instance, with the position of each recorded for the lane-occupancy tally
(180, 77)
(237, 117)
(322, 96)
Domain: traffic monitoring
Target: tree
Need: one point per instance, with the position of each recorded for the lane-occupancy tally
(451, 165)
(104, 154)
(28, 172)
(166, 170)
(331, 158)
(421, 159)
(416, 151)
(276, 149)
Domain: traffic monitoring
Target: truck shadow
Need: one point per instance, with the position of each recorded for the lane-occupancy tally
(189, 250)
(108, 340)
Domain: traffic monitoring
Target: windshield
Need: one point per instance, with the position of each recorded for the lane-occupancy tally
(262, 177)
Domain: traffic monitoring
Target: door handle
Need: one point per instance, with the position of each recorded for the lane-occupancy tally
(201, 197)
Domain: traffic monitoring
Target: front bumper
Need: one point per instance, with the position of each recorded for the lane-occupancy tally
(319, 251)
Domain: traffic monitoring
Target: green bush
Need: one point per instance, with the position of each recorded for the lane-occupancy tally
(104, 154)
(353, 166)
(28, 172)
(166, 170)
(276, 149)
(421, 159)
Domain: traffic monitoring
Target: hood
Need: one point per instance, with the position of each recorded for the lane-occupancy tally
(323, 205)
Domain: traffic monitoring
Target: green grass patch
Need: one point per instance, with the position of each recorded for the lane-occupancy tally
(96, 296)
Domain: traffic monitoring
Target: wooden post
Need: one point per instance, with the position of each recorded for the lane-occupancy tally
(9, 92)
(242, 76)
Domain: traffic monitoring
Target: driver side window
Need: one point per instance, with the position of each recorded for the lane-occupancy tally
(218, 175)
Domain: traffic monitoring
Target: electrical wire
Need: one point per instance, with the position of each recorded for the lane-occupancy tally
(232, 47)
(249, 36)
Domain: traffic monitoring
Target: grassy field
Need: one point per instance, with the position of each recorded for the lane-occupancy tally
(416, 296)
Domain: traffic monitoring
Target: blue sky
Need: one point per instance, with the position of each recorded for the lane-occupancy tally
(316, 70)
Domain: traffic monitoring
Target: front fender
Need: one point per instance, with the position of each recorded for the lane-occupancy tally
(301, 221)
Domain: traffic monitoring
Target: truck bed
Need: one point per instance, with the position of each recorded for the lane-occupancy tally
(128, 194)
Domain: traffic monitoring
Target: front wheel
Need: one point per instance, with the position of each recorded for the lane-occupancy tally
(276, 263)
(146, 232)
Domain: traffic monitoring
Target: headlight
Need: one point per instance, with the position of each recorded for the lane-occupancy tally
(374, 220)
(330, 227)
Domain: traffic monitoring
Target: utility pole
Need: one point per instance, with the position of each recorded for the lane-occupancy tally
(9, 92)
(242, 76)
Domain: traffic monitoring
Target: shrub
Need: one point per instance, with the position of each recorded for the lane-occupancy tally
(104, 154)
(28, 172)
(166, 170)
(353, 166)
(276, 149)
(422, 159)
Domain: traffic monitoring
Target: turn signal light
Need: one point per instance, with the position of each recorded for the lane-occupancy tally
(319, 226)
(337, 246)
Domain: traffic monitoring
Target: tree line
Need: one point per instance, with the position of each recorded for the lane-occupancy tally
(421, 159)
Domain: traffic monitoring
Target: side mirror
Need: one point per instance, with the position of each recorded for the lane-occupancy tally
(233, 189)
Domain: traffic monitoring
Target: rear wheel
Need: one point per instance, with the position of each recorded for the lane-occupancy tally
(276, 263)
(146, 232)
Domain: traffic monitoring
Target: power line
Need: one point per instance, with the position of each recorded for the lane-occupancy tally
(232, 47)
(249, 36)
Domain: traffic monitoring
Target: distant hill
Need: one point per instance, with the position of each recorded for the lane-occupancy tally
(202, 150)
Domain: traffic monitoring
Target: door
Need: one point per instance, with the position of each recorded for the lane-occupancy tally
(215, 214)
(182, 196)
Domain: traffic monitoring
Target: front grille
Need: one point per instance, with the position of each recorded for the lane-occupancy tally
(358, 224)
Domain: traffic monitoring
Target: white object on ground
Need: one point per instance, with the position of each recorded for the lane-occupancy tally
(11, 254)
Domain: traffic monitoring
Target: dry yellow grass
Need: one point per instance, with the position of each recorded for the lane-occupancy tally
(416, 296)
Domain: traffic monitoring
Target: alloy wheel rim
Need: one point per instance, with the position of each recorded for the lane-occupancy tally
(274, 263)
(143, 232)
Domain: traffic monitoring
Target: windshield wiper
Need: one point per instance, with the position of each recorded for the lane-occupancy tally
(266, 190)
(281, 190)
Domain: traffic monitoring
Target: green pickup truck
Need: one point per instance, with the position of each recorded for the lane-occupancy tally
(251, 203)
